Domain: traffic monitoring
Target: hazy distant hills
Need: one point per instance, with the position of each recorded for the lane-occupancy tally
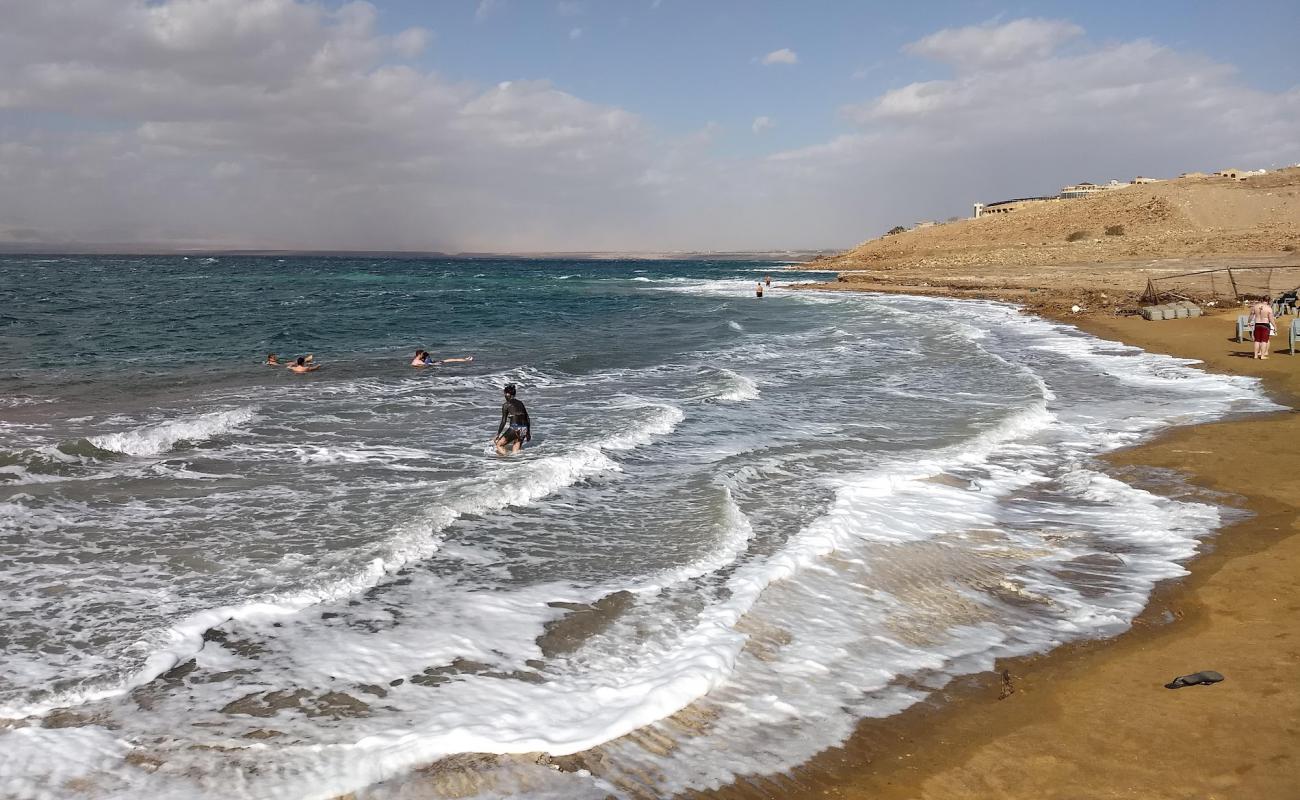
(85, 248)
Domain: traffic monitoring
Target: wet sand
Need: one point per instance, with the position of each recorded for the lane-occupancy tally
(1093, 720)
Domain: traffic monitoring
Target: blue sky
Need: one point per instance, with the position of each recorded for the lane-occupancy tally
(683, 64)
(580, 124)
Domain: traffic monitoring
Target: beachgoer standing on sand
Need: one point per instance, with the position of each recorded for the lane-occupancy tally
(1261, 320)
(758, 290)
(515, 427)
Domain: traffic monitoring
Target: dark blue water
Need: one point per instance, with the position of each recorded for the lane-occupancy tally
(92, 327)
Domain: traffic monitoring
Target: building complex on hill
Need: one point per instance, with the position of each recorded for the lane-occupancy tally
(1086, 189)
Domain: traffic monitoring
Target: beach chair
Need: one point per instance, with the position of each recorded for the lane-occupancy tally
(1293, 335)
(1243, 322)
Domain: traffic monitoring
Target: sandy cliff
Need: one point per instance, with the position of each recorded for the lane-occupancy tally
(1027, 255)
(1178, 218)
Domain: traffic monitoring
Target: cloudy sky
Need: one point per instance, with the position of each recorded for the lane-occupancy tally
(517, 125)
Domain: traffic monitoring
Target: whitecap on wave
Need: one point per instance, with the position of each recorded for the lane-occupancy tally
(151, 440)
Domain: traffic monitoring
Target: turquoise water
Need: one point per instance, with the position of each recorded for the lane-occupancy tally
(774, 516)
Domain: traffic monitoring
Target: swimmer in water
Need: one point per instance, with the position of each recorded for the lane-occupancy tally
(272, 360)
(515, 427)
(758, 290)
(423, 359)
(767, 280)
(303, 364)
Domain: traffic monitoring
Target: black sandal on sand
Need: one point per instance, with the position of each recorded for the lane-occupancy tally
(1195, 679)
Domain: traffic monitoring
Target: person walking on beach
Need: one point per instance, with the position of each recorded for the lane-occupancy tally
(515, 427)
(1261, 320)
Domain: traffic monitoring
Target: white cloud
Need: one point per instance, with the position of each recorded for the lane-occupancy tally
(1002, 126)
(411, 42)
(285, 123)
(783, 56)
(992, 44)
(761, 124)
(279, 123)
(485, 9)
(575, 33)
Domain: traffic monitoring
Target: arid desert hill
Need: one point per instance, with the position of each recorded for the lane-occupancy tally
(1056, 254)
(1187, 217)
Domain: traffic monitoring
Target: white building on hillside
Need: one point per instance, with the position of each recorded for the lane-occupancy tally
(1084, 189)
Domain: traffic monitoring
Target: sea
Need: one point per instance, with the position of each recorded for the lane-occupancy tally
(741, 527)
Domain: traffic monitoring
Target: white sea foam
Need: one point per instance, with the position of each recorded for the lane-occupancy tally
(49, 760)
(743, 388)
(892, 505)
(519, 482)
(813, 561)
(152, 440)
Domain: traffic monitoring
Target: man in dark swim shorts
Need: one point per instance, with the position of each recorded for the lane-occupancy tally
(515, 427)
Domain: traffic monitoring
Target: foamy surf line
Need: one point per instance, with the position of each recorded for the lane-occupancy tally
(158, 438)
(530, 481)
(892, 503)
(703, 661)
(707, 656)
(716, 636)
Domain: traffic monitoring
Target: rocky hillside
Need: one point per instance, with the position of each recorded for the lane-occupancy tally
(1184, 218)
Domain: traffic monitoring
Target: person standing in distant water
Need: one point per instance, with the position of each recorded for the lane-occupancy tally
(303, 364)
(515, 427)
(767, 280)
(1262, 319)
(758, 290)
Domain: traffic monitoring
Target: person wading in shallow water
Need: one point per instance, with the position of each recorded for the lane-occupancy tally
(515, 427)
(1261, 320)
(758, 290)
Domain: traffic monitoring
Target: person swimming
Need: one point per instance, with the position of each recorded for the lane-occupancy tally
(303, 364)
(272, 360)
(515, 428)
(423, 359)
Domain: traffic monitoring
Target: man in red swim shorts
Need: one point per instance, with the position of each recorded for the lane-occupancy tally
(1261, 320)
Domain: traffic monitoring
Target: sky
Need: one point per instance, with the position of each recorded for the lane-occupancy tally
(609, 125)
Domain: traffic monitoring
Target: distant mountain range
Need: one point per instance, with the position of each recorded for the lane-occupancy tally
(30, 248)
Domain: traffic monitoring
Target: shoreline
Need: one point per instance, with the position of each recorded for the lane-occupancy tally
(1092, 718)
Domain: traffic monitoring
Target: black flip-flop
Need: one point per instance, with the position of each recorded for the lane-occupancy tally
(1195, 679)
